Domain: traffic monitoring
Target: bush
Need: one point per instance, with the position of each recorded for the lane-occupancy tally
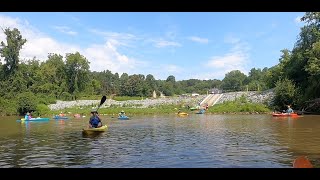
(41, 110)
(27, 102)
(45, 99)
(65, 96)
(7, 107)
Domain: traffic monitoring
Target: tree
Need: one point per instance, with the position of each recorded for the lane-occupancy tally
(285, 93)
(77, 71)
(10, 51)
(233, 81)
(171, 79)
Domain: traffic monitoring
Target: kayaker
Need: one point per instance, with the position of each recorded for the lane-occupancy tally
(27, 116)
(95, 120)
(289, 110)
(122, 113)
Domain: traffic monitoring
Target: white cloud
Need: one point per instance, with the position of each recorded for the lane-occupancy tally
(101, 56)
(236, 59)
(117, 39)
(199, 40)
(107, 57)
(65, 29)
(163, 43)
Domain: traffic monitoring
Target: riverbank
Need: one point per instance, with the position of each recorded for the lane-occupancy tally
(233, 107)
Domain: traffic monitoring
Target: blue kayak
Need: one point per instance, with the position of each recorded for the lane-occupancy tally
(201, 112)
(123, 117)
(33, 119)
(60, 117)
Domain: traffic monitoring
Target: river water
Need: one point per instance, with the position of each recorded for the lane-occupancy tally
(166, 141)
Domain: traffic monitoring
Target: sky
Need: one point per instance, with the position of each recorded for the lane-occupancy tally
(187, 45)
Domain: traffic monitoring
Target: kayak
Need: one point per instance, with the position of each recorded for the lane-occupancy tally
(123, 118)
(95, 130)
(302, 162)
(194, 108)
(34, 119)
(285, 115)
(201, 112)
(183, 114)
(60, 117)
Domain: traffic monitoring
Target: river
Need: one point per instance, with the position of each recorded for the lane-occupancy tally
(161, 141)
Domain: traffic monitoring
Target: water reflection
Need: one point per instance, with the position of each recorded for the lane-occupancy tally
(162, 141)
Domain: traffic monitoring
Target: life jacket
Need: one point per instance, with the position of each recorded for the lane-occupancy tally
(94, 121)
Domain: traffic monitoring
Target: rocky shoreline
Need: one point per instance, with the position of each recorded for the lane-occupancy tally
(252, 96)
(191, 101)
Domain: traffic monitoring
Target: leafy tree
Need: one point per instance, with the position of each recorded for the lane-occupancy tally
(285, 93)
(77, 71)
(233, 81)
(10, 51)
(27, 102)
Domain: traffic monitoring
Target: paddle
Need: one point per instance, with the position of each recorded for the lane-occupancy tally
(302, 162)
(103, 99)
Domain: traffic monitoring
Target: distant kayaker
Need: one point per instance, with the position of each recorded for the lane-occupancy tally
(122, 113)
(289, 110)
(95, 120)
(61, 114)
(27, 116)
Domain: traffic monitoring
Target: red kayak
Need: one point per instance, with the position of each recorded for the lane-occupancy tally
(302, 162)
(285, 114)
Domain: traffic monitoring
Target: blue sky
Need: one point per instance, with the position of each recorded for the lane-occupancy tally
(201, 45)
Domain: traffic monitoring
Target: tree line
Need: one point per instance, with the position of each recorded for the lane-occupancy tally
(32, 84)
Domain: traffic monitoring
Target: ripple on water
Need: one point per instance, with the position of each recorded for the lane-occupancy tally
(163, 141)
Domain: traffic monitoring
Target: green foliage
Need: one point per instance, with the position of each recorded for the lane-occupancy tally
(126, 98)
(27, 102)
(285, 93)
(77, 72)
(234, 81)
(65, 96)
(41, 109)
(45, 99)
(7, 107)
(238, 106)
(10, 50)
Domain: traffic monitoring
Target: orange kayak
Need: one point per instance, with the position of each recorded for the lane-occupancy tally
(302, 162)
(285, 114)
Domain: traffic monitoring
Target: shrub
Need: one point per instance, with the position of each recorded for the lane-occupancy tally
(27, 102)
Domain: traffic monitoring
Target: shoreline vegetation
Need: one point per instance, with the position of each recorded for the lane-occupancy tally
(238, 106)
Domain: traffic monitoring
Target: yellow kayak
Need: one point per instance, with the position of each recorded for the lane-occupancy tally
(95, 130)
(182, 114)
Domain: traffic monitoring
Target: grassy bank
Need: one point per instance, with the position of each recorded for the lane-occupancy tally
(239, 107)
(227, 107)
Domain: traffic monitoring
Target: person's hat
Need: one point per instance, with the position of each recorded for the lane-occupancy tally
(94, 111)
(122, 111)
(28, 113)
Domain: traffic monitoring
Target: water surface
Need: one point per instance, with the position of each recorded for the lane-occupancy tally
(213, 141)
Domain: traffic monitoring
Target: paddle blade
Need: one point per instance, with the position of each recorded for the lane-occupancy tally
(103, 99)
(302, 162)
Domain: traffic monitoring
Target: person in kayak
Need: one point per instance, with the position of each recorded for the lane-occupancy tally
(122, 114)
(95, 120)
(27, 116)
(289, 110)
